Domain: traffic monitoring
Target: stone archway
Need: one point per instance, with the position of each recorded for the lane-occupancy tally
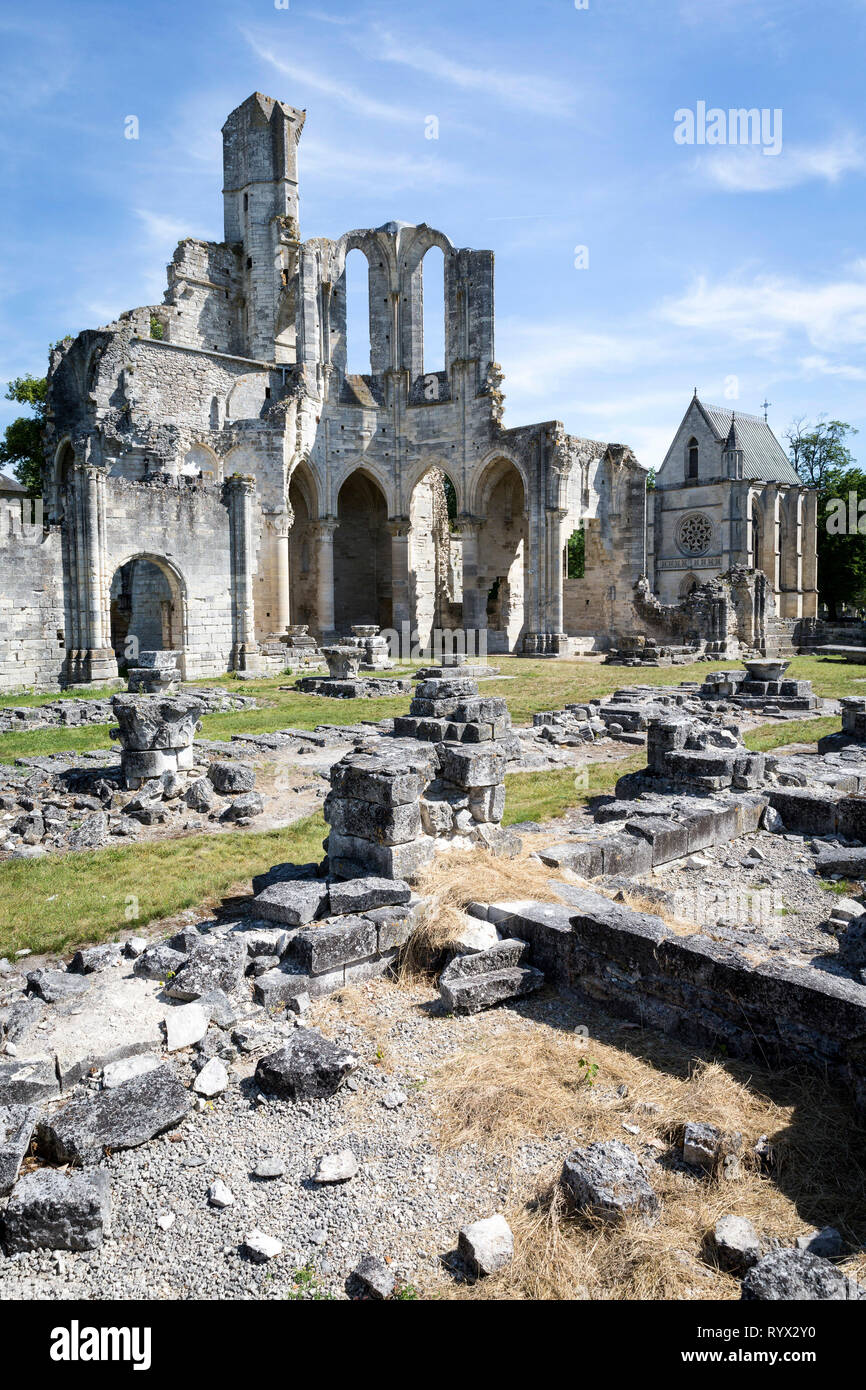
(435, 556)
(147, 608)
(302, 548)
(362, 555)
(503, 545)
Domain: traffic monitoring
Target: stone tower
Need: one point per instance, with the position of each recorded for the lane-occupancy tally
(260, 202)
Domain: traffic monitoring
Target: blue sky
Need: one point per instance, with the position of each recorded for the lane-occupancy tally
(556, 130)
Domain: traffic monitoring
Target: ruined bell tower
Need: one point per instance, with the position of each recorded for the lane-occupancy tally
(260, 199)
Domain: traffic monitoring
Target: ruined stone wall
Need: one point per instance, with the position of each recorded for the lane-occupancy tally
(31, 605)
(188, 529)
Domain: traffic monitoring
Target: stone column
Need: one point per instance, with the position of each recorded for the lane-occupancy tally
(100, 663)
(324, 533)
(399, 529)
(474, 599)
(556, 517)
(279, 527)
(810, 554)
(245, 655)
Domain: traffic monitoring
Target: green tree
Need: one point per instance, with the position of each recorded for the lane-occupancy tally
(824, 461)
(576, 561)
(21, 445)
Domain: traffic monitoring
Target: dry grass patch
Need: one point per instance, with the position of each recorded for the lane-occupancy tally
(527, 1083)
(457, 878)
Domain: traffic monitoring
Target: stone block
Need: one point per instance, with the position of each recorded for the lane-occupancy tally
(57, 1211)
(25, 1080)
(331, 944)
(122, 1118)
(608, 1182)
(352, 857)
(364, 894)
(279, 986)
(582, 857)
(394, 926)
(467, 767)
(851, 818)
(309, 1066)
(17, 1123)
(805, 811)
(626, 854)
(669, 839)
(293, 902)
(383, 825)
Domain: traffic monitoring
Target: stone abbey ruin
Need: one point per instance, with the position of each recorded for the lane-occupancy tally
(366, 1069)
(216, 476)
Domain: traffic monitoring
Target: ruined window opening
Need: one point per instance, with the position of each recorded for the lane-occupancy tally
(575, 554)
(433, 302)
(246, 202)
(358, 347)
(694, 459)
(249, 262)
(450, 497)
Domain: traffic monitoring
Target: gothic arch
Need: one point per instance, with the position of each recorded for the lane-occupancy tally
(148, 603)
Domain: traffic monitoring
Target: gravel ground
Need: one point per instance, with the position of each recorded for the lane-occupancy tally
(406, 1203)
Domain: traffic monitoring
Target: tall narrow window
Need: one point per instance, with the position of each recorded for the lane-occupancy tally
(433, 290)
(692, 471)
(357, 314)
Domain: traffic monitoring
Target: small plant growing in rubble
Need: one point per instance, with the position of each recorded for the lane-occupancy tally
(590, 1070)
(307, 1287)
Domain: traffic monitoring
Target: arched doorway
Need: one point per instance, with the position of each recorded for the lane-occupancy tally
(435, 557)
(503, 546)
(362, 555)
(302, 548)
(147, 609)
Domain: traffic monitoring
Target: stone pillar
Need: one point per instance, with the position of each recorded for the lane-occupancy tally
(100, 663)
(324, 534)
(810, 554)
(279, 527)
(556, 518)
(400, 528)
(245, 654)
(474, 598)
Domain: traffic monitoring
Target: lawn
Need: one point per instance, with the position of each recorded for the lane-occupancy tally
(62, 901)
(535, 686)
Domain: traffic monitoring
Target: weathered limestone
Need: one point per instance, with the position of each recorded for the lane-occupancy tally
(155, 733)
(57, 1211)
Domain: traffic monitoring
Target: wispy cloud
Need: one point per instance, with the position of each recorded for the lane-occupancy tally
(390, 170)
(546, 96)
(768, 311)
(746, 169)
(337, 90)
(821, 366)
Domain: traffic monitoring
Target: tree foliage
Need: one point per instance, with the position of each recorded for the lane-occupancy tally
(823, 460)
(22, 442)
(576, 562)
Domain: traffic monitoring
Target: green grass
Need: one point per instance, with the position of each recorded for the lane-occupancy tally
(62, 901)
(57, 903)
(542, 796)
(769, 736)
(537, 685)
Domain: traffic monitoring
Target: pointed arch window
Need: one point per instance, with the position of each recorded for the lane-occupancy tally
(693, 458)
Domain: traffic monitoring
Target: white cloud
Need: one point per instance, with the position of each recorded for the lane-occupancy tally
(391, 171)
(767, 311)
(746, 169)
(544, 95)
(333, 87)
(821, 366)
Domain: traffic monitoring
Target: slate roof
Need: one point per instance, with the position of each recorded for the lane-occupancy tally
(764, 459)
(10, 484)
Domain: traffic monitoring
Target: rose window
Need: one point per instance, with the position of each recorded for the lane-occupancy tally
(695, 534)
